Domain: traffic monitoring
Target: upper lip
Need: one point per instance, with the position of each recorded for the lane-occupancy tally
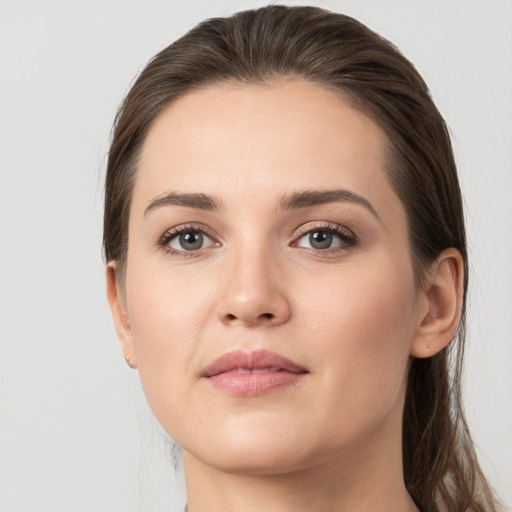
(257, 360)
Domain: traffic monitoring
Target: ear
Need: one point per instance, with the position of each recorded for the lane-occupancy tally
(440, 304)
(120, 316)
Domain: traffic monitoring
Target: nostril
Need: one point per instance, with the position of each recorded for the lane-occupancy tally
(248, 319)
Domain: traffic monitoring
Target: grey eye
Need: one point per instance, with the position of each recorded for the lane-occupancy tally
(320, 239)
(190, 241)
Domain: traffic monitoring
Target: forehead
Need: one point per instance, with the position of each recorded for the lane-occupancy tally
(243, 139)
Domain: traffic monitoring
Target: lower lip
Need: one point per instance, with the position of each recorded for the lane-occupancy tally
(253, 384)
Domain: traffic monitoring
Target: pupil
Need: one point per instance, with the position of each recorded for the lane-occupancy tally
(191, 240)
(320, 239)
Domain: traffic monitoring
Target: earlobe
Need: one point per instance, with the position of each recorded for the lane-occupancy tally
(120, 316)
(443, 294)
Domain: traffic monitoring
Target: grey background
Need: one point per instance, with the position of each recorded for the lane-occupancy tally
(75, 433)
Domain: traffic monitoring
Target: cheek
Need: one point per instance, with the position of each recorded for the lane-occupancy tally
(166, 303)
(363, 323)
(372, 302)
(167, 312)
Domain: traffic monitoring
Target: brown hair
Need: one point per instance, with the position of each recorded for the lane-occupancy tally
(441, 471)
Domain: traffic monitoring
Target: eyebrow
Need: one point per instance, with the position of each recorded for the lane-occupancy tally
(198, 201)
(297, 200)
(310, 198)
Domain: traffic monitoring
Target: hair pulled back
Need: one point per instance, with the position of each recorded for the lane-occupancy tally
(336, 52)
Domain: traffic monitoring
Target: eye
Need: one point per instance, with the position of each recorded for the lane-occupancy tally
(324, 238)
(189, 241)
(186, 239)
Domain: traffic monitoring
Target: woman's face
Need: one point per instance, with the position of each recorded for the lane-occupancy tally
(270, 294)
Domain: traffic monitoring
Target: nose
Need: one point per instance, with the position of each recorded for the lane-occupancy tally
(255, 292)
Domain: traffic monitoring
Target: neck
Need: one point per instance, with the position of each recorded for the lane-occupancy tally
(304, 491)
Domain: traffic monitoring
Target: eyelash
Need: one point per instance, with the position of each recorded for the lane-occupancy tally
(171, 234)
(346, 236)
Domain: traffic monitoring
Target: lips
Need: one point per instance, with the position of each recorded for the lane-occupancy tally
(252, 373)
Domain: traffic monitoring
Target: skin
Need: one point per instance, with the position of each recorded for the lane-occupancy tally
(351, 315)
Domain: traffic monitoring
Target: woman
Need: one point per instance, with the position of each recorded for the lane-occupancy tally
(287, 268)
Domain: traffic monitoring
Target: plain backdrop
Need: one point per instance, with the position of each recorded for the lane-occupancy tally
(75, 433)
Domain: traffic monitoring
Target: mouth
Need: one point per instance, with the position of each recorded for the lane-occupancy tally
(252, 373)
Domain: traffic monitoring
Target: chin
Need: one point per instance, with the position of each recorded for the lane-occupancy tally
(256, 462)
(261, 454)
